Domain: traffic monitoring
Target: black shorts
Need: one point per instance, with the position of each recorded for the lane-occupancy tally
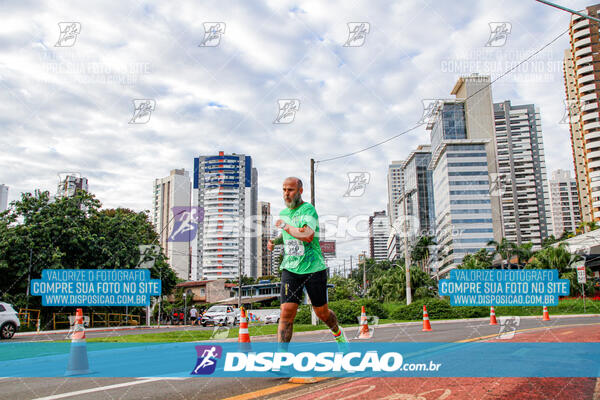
(315, 284)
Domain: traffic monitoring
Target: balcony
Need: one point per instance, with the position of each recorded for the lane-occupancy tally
(581, 33)
(583, 61)
(583, 51)
(583, 23)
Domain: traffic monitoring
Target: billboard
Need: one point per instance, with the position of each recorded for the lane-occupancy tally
(327, 248)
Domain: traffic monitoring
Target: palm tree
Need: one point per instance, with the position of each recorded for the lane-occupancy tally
(524, 253)
(551, 258)
(587, 226)
(505, 249)
(421, 251)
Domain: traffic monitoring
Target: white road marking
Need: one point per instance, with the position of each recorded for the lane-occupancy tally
(101, 388)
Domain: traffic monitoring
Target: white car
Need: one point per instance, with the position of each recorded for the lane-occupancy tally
(272, 318)
(220, 315)
(9, 321)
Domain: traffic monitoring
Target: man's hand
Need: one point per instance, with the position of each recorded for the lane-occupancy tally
(270, 245)
(279, 223)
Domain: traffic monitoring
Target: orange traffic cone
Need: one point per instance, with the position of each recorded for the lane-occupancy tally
(493, 316)
(244, 336)
(78, 360)
(546, 316)
(364, 326)
(426, 324)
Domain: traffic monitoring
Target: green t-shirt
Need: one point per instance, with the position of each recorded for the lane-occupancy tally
(301, 257)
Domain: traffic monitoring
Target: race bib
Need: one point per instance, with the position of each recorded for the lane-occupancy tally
(294, 247)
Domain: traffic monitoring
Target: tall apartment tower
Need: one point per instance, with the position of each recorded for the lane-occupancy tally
(418, 186)
(379, 228)
(463, 158)
(521, 179)
(395, 184)
(70, 185)
(581, 69)
(226, 188)
(276, 254)
(3, 197)
(565, 202)
(263, 234)
(171, 208)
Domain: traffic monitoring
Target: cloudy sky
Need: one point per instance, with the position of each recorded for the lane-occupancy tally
(66, 105)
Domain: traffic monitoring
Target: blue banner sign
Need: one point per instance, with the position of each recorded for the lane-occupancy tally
(488, 287)
(95, 287)
(381, 359)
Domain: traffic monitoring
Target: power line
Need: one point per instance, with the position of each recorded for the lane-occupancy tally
(467, 98)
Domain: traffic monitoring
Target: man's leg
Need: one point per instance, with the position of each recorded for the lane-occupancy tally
(328, 316)
(316, 287)
(286, 322)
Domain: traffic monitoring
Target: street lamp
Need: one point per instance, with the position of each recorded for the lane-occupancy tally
(184, 308)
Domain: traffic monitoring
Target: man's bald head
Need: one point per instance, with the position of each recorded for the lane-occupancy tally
(293, 180)
(292, 192)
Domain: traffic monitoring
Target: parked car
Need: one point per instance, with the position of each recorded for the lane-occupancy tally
(220, 315)
(9, 321)
(272, 318)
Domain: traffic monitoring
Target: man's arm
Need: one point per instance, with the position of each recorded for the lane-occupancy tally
(305, 234)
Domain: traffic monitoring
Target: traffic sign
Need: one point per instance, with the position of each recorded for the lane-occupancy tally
(581, 278)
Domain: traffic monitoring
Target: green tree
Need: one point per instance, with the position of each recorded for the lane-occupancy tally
(70, 233)
(478, 260)
(421, 251)
(505, 249)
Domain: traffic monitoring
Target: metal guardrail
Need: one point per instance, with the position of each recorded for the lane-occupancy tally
(29, 316)
(96, 320)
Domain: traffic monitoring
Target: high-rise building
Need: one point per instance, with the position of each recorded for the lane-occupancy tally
(171, 207)
(395, 183)
(581, 68)
(379, 229)
(418, 187)
(263, 232)
(3, 197)
(70, 185)
(565, 202)
(521, 180)
(276, 254)
(226, 188)
(467, 217)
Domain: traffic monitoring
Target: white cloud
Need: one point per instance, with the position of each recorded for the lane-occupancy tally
(66, 109)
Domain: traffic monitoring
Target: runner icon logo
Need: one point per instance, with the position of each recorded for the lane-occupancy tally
(207, 359)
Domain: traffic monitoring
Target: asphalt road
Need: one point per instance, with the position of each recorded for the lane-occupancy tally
(220, 388)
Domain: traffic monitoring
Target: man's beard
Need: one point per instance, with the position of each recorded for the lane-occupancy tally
(296, 201)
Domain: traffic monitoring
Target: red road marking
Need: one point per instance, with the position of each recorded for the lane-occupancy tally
(474, 388)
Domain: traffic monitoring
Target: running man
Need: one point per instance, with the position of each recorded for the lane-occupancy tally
(303, 265)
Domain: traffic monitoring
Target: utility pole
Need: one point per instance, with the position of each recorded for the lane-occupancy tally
(406, 255)
(350, 265)
(364, 274)
(240, 284)
(28, 282)
(344, 268)
(312, 181)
